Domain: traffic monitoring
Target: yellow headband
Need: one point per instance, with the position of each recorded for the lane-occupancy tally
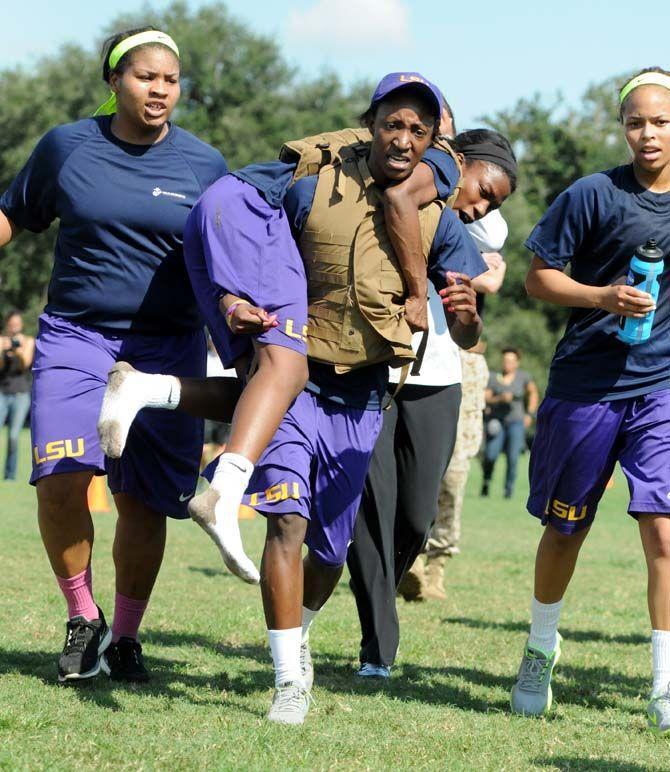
(122, 48)
(646, 79)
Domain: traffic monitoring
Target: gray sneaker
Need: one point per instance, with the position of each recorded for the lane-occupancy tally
(289, 704)
(306, 666)
(531, 694)
(658, 713)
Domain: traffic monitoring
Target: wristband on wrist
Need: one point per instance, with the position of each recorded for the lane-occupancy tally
(231, 310)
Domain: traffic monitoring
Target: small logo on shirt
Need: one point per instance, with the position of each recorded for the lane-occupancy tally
(159, 192)
(185, 496)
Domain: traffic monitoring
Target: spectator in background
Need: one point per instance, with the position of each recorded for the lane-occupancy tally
(16, 352)
(511, 404)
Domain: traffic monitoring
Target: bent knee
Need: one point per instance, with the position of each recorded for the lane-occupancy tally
(285, 366)
(288, 530)
(657, 537)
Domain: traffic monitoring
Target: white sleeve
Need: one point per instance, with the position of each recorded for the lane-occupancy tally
(490, 232)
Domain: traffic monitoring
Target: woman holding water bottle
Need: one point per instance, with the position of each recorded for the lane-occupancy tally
(608, 397)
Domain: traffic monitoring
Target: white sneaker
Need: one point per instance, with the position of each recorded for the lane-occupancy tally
(370, 670)
(658, 713)
(225, 533)
(290, 703)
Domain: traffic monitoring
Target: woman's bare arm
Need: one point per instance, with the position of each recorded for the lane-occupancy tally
(401, 213)
(8, 230)
(554, 286)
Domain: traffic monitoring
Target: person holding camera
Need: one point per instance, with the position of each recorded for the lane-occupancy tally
(16, 358)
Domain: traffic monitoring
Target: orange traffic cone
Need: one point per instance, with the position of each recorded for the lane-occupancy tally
(97, 495)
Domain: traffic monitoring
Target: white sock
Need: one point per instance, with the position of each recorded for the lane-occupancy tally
(285, 648)
(126, 394)
(544, 625)
(307, 619)
(156, 391)
(660, 661)
(233, 472)
(230, 480)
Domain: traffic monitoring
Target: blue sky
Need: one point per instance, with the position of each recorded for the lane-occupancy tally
(484, 56)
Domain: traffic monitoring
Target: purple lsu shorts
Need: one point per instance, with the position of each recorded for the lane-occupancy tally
(236, 242)
(576, 447)
(161, 461)
(315, 466)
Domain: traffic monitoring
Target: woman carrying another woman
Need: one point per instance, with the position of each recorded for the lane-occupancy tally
(249, 277)
(121, 185)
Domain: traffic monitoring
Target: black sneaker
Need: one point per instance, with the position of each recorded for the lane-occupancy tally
(123, 661)
(85, 641)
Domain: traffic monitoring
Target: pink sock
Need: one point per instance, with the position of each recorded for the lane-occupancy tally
(78, 595)
(128, 615)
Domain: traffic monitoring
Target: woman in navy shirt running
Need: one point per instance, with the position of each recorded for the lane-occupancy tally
(121, 185)
(606, 401)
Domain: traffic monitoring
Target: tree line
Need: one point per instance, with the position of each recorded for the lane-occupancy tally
(240, 95)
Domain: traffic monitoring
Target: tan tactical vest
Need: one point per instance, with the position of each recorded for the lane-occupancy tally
(356, 290)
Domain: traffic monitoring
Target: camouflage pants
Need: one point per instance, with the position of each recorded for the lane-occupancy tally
(445, 534)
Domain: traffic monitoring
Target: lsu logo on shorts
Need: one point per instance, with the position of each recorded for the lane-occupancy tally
(290, 331)
(276, 493)
(58, 449)
(566, 511)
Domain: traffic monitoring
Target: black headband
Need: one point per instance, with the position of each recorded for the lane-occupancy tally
(491, 153)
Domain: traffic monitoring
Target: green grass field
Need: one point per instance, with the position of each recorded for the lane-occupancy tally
(446, 706)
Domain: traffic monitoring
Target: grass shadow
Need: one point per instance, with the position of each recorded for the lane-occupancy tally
(209, 572)
(169, 678)
(598, 687)
(335, 673)
(591, 687)
(570, 763)
(43, 666)
(574, 635)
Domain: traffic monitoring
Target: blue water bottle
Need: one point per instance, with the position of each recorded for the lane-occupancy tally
(644, 274)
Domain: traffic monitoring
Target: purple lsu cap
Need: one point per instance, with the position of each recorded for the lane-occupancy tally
(396, 80)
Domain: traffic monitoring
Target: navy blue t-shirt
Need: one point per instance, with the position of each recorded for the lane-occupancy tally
(452, 250)
(595, 226)
(444, 170)
(122, 210)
